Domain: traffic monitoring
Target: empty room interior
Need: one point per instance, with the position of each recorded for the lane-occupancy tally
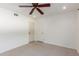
(39, 29)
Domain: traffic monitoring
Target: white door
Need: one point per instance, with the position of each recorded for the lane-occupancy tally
(31, 30)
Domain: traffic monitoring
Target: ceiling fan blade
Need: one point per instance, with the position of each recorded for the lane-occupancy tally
(25, 6)
(40, 11)
(44, 5)
(32, 11)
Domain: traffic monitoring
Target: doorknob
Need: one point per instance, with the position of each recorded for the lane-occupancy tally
(42, 32)
(29, 32)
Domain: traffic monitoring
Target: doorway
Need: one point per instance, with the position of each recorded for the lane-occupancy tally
(31, 30)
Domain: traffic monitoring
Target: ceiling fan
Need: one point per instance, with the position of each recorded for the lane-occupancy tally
(36, 6)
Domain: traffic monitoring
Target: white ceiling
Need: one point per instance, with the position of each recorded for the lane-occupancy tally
(55, 8)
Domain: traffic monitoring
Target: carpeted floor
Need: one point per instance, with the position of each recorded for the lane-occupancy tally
(40, 49)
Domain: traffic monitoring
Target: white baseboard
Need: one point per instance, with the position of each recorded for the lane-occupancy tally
(56, 44)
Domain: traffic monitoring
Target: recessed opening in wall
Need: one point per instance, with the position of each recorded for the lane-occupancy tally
(15, 14)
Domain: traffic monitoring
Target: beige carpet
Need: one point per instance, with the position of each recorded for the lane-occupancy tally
(40, 49)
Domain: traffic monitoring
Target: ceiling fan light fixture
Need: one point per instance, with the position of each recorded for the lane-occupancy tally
(36, 6)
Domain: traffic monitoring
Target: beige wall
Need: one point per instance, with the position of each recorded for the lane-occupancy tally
(57, 29)
(13, 30)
